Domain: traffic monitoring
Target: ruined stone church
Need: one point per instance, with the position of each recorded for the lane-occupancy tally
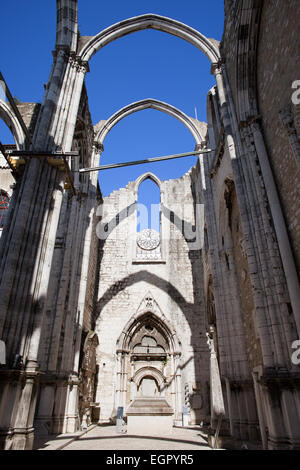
(203, 314)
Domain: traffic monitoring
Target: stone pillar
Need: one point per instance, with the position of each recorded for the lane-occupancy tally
(23, 432)
(260, 411)
(119, 378)
(87, 242)
(124, 381)
(67, 24)
(178, 385)
(58, 424)
(43, 419)
(72, 419)
(32, 233)
(290, 403)
(218, 73)
(280, 226)
(172, 386)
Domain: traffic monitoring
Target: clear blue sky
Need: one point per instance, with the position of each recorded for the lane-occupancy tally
(146, 64)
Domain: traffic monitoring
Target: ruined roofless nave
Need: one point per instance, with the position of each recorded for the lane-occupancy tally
(197, 322)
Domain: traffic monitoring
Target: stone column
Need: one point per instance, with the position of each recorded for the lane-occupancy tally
(32, 234)
(217, 402)
(58, 422)
(119, 378)
(72, 419)
(280, 225)
(218, 73)
(178, 385)
(124, 382)
(90, 214)
(23, 425)
(43, 420)
(260, 411)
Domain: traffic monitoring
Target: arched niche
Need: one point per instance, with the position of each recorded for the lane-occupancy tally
(148, 314)
(161, 363)
(149, 373)
(149, 357)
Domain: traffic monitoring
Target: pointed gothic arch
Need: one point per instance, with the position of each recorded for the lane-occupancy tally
(149, 21)
(149, 307)
(148, 175)
(10, 119)
(160, 363)
(148, 212)
(149, 103)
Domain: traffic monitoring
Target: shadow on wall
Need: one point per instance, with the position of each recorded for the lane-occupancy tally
(189, 309)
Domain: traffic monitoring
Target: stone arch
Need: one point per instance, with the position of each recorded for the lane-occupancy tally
(142, 215)
(148, 307)
(152, 372)
(106, 126)
(135, 323)
(160, 362)
(149, 21)
(7, 115)
(145, 176)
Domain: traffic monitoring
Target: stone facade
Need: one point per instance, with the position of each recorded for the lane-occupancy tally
(277, 69)
(203, 316)
(173, 285)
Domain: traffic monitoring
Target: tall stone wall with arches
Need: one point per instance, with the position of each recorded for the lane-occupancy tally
(86, 297)
(173, 282)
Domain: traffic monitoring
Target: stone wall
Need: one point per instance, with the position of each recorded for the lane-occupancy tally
(277, 69)
(175, 283)
(29, 113)
(92, 277)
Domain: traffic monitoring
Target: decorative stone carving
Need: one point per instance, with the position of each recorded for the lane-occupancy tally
(148, 239)
(149, 301)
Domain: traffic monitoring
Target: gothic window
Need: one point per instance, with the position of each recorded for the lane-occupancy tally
(148, 221)
(4, 202)
(148, 206)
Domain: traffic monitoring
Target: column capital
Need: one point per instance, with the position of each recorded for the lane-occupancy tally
(201, 146)
(98, 146)
(73, 379)
(76, 62)
(216, 67)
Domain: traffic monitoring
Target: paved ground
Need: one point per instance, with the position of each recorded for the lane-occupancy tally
(106, 438)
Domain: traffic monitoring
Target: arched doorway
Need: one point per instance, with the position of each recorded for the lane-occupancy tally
(148, 354)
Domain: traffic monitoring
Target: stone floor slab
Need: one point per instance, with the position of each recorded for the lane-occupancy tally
(106, 438)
